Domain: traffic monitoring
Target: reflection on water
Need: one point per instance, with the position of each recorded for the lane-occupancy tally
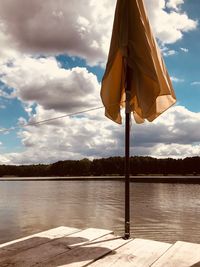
(165, 212)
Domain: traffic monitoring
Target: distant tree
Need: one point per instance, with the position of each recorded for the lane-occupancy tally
(106, 166)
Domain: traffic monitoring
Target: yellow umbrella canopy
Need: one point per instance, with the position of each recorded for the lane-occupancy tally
(134, 45)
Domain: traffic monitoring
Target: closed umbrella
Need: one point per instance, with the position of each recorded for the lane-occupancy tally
(135, 76)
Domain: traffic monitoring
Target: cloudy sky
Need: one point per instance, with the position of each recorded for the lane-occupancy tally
(52, 58)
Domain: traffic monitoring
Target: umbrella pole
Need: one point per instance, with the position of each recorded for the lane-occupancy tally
(127, 158)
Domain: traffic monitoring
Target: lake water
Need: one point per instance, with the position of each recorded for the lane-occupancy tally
(165, 212)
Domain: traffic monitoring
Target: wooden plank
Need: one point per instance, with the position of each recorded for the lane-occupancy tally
(137, 253)
(89, 234)
(181, 254)
(51, 234)
(22, 244)
(86, 254)
(41, 253)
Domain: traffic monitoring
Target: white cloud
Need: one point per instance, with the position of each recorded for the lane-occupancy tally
(8, 50)
(43, 81)
(80, 29)
(170, 53)
(169, 27)
(2, 106)
(68, 138)
(195, 83)
(173, 134)
(174, 4)
(177, 151)
(5, 159)
(186, 50)
(167, 52)
(176, 80)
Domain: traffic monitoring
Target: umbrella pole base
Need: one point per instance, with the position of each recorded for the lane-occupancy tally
(126, 236)
(127, 230)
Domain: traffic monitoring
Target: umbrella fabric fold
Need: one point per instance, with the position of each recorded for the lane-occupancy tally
(133, 46)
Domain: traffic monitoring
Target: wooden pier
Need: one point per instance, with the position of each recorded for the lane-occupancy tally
(64, 246)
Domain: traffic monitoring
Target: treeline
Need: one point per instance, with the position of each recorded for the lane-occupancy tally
(106, 166)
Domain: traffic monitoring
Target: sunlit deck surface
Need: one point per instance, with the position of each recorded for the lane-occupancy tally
(64, 246)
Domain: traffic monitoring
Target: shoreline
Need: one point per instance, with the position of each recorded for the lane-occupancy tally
(136, 179)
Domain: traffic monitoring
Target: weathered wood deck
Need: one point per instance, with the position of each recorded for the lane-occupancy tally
(64, 246)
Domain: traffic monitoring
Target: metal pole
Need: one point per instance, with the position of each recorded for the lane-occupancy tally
(127, 157)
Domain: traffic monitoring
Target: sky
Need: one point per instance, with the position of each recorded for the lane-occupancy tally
(52, 59)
